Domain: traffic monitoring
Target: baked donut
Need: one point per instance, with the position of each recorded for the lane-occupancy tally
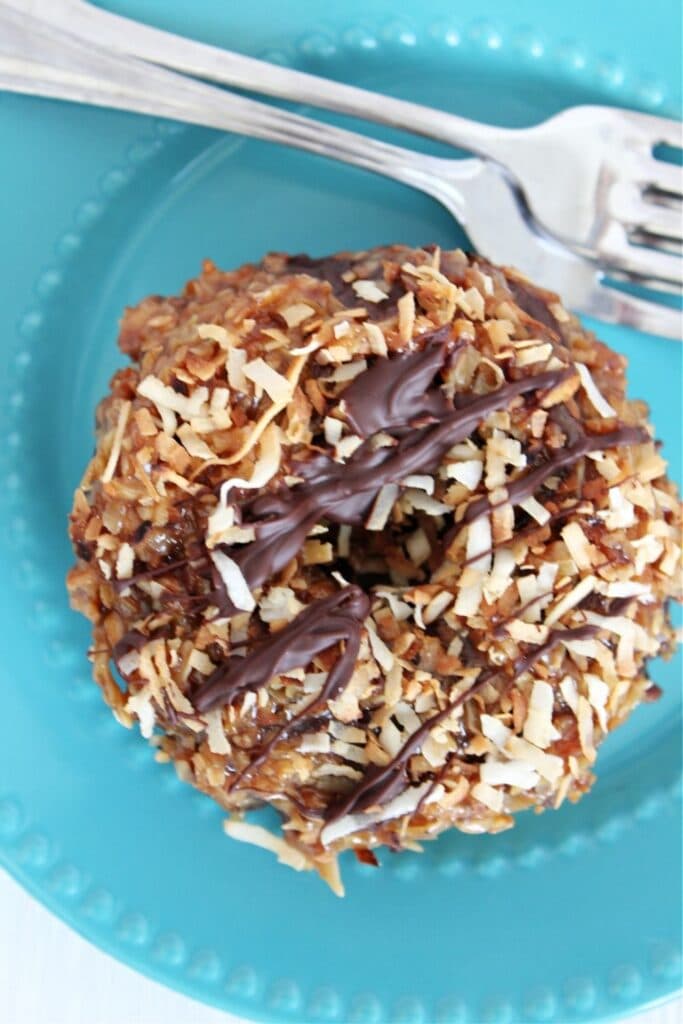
(377, 540)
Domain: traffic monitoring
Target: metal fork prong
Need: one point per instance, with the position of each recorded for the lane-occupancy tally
(618, 307)
(657, 129)
(629, 205)
(657, 220)
(661, 242)
(651, 173)
(614, 248)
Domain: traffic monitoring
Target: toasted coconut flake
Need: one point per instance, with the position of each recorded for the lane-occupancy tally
(128, 664)
(405, 803)
(399, 609)
(621, 512)
(265, 467)
(333, 430)
(527, 632)
(347, 733)
(599, 403)
(391, 738)
(349, 752)
(381, 509)
(380, 651)
(116, 443)
(626, 628)
(235, 583)
(297, 313)
(315, 743)
(436, 607)
(598, 693)
(468, 473)
(418, 546)
(348, 371)
(534, 508)
(347, 447)
(277, 387)
(578, 545)
(582, 589)
(378, 344)
(537, 422)
(504, 565)
(368, 291)
(341, 329)
(124, 561)
(488, 796)
(215, 332)
(509, 773)
(166, 398)
(424, 503)
(538, 727)
(215, 732)
(534, 354)
(479, 544)
(140, 705)
(406, 717)
(584, 717)
(406, 316)
(193, 444)
(469, 599)
(495, 730)
(549, 766)
(626, 588)
(570, 692)
(280, 604)
(420, 482)
(245, 832)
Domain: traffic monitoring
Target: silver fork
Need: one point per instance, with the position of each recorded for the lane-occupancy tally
(38, 59)
(588, 174)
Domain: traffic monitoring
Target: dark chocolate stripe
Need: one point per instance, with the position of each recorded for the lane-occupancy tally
(321, 624)
(528, 483)
(380, 784)
(396, 392)
(344, 492)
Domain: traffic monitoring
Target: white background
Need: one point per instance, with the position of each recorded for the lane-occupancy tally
(49, 975)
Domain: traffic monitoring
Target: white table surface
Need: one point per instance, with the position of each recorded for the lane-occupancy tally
(49, 975)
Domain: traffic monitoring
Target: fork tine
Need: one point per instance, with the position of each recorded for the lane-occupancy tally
(657, 220)
(651, 173)
(615, 306)
(658, 129)
(614, 249)
(630, 206)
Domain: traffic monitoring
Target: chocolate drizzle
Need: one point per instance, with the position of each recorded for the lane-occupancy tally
(528, 483)
(325, 622)
(396, 392)
(344, 492)
(380, 784)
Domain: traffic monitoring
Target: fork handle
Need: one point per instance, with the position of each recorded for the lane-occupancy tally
(39, 59)
(202, 60)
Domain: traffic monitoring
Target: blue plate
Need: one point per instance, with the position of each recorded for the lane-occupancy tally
(572, 916)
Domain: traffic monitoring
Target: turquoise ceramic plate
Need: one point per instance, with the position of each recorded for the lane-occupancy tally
(571, 916)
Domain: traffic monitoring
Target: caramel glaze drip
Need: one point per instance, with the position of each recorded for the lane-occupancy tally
(330, 620)
(380, 784)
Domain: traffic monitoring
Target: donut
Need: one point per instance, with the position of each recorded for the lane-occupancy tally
(376, 540)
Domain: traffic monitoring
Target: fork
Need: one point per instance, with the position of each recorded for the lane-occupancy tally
(588, 174)
(38, 59)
